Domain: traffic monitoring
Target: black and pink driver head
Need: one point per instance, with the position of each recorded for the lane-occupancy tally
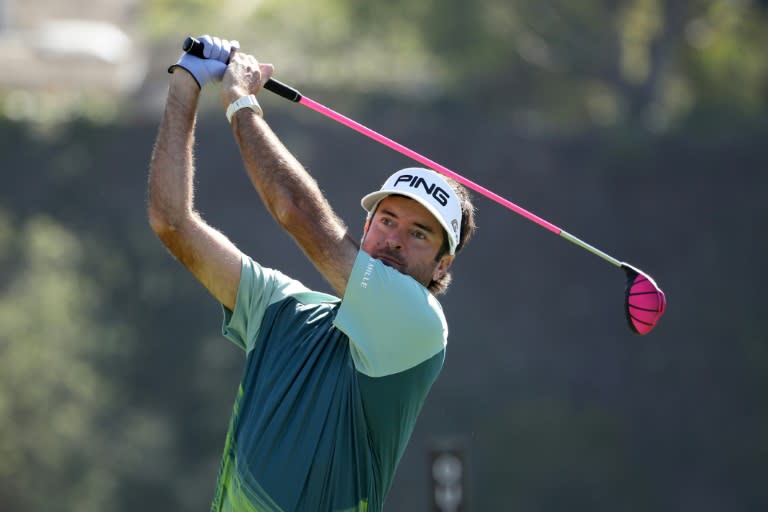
(644, 300)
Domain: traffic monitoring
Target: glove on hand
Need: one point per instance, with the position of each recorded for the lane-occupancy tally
(213, 65)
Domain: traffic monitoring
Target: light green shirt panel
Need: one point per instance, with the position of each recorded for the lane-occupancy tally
(259, 288)
(392, 321)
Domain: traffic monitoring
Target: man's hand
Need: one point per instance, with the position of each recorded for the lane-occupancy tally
(244, 76)
(217, 53)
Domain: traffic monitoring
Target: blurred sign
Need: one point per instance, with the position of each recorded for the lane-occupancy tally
(447, 469)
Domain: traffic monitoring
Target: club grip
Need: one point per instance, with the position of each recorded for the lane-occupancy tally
(195, 47)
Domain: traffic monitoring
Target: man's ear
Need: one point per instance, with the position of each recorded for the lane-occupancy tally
(442, 267)
(367, 225)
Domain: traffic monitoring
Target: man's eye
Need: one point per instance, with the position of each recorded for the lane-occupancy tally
(420, 235)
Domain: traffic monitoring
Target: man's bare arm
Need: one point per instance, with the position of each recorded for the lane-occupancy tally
(208, 254)
(290, 194)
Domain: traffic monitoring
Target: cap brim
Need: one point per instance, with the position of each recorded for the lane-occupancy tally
(370, 201)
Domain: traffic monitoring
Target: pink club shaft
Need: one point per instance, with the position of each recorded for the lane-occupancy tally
(351, 123)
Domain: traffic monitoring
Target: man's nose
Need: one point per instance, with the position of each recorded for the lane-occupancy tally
(394, 241)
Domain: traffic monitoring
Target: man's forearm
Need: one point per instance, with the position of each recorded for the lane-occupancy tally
(295, 200)
(287, 190)
(283, 184)
(171, 167)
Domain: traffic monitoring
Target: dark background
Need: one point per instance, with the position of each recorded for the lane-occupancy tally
(557, 405)
(638, 126)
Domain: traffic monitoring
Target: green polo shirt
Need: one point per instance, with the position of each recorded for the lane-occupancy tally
(331, 388)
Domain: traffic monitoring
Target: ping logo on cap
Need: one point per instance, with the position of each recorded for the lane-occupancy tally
(432, 189)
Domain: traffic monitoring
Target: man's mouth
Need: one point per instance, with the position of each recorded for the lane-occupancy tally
(390, 261)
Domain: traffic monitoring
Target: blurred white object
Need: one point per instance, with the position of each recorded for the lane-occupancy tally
(71, 56)
(82, 38)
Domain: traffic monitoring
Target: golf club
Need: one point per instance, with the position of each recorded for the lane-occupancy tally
(644, 301)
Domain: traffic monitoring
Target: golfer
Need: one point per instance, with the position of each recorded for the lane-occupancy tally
(332, 384)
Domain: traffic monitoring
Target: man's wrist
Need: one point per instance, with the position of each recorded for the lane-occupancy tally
(184, 80)
(249, 102)
(183, 91)
(231, 93)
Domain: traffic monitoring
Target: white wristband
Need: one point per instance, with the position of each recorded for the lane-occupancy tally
(244, 102)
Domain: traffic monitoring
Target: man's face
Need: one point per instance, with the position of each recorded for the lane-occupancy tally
(405, 236)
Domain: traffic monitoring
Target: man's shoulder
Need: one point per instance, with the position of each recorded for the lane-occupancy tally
(282, 286)
(393, 322)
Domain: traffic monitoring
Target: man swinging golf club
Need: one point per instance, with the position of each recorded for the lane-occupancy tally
(644, 301)
(332, 386)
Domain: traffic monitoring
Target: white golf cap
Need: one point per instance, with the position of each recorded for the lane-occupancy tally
(428, 188)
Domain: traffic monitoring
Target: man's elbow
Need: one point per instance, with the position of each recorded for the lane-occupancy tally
(294, 213)
(285, 215)
(165, 226)
(158, 220)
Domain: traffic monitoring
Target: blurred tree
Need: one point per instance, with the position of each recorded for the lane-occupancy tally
(723, 62)
(551, 64)
(51, 394)
(99, 391)
(61, 427)
(595, 61)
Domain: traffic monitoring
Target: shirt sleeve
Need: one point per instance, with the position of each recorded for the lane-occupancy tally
(259, 288)
(392, 321)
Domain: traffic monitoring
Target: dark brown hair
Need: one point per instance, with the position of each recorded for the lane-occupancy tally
(467, 230)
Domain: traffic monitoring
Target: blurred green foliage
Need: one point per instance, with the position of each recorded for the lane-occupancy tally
(51, 343)
(558, 64)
